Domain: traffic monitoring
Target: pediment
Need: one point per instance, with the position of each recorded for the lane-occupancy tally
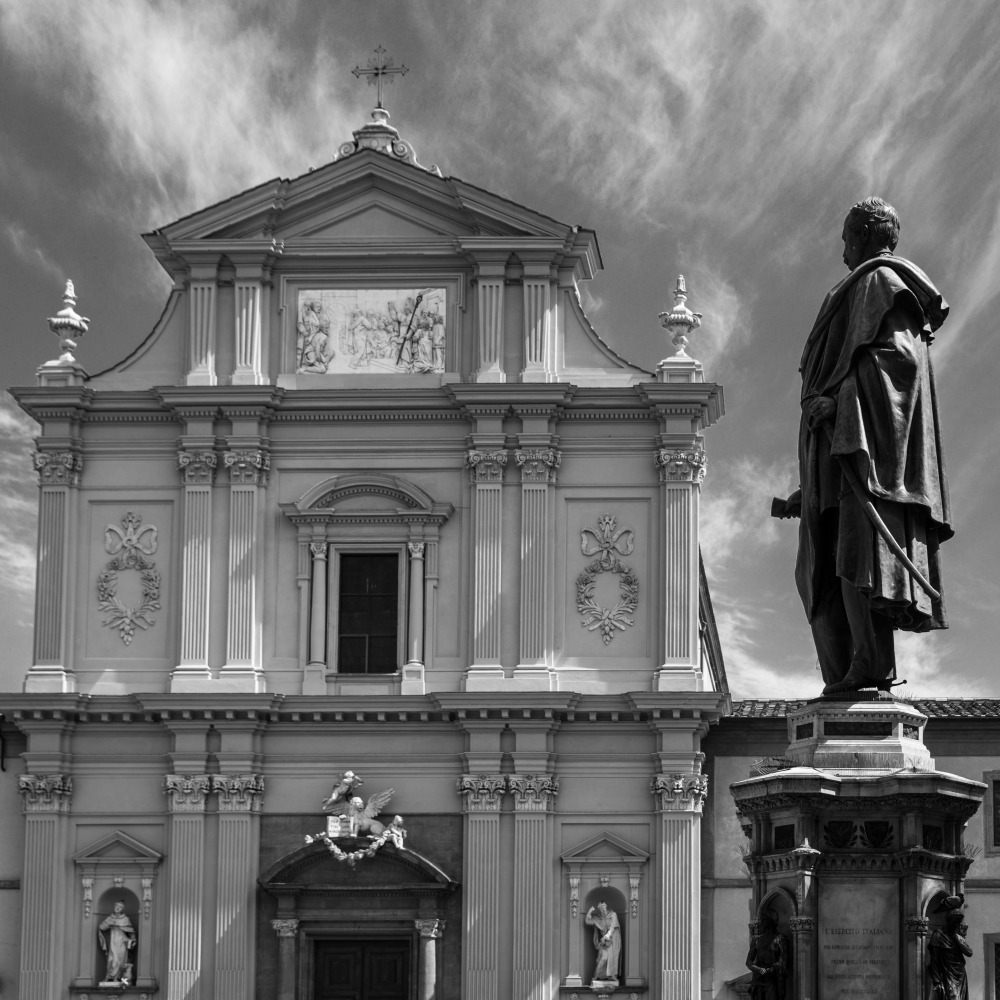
(314, 867)
(117, 849)
(605, 847)
(368, 195)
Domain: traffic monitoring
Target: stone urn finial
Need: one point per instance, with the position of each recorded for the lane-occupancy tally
(68, 325)
(680, 321)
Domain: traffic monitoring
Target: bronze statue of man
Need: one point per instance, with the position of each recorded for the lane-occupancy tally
(870, 452)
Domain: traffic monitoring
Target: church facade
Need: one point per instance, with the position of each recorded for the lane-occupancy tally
(373, 655)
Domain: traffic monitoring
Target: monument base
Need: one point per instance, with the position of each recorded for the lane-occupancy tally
(854, 838)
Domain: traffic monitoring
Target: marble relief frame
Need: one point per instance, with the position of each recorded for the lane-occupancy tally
(390, 324)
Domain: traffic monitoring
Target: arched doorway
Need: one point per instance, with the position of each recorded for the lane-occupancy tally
(378, 930)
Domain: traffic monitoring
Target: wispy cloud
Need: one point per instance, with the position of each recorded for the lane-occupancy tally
(30, 252)
(18, 504)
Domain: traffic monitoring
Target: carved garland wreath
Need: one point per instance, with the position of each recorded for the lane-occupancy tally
(353, 857)
(607, 543)
(130, 547)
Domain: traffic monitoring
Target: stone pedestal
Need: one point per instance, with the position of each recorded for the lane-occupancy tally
(853, 839)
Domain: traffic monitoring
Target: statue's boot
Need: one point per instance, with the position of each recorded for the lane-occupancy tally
(855, 680)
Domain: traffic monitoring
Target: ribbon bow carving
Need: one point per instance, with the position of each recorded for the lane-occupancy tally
(607, 540)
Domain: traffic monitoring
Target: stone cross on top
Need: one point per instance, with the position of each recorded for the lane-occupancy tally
(380, 68)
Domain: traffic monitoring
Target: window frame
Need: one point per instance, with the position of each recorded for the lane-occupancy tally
(334, 552)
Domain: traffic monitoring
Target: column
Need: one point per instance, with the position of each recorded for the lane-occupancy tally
(314, 681)
(534, 797)
(486, 467)
(248, 347)
(202, 310)
(186, 803)
(804, 956)
(239, 810)
(481, 883)
(248, 472)
(538, 468)
(287, 929)
(45, 800)
(430, 929)
(917, 929)
(679, 800)
(489, 301)
(681, 473)
(197, 468)
(413, 670)
(539, 361)
(58, 480)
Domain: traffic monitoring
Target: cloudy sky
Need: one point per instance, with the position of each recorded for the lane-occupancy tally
(719, 139)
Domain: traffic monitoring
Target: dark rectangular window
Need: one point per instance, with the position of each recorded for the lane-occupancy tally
(368, 622)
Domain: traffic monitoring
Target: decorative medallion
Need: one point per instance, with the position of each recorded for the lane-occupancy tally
(349, 818)
(130, 545)
(607, 543)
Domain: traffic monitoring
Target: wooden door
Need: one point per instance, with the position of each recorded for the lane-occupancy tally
(362, 970)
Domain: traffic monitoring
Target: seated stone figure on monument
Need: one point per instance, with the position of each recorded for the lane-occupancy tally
(872, 497)
(767, 960)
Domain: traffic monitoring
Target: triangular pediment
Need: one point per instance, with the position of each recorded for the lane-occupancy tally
(605, 847)
(115, 849)
(367, 195)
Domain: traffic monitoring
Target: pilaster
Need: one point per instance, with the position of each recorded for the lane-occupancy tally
(539, 321)
(538, 468)
(202, 321)
(248, 475)
(186, 794)
(481, 883)
(490, 318)
(534, 798)
(314, 681)
(413, 669)
(197, 469)
(252, 285)
(45, 800)
(59, 471)
(681, 471)
(486, 468)
(239, 797)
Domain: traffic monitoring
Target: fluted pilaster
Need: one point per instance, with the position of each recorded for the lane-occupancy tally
(486, 468)
(198, 474)
(239, 807)
(481, 883)
(249, 294)
(537, 328)
(534, 795)
(45, 799)
(201, 332)
(490, 295)
(186, 801)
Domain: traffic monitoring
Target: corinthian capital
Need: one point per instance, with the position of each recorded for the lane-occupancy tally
(680, 465)
(533, 792)
(187, 792)
(482, 792)
(45, 793)
(197, 467)
(248, 466)
(486, 466)
(58, 468)
(538, 465)
(238, 792)
(679, 792)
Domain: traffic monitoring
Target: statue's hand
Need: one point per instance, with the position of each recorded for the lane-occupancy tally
(820, 410)
(792, 507)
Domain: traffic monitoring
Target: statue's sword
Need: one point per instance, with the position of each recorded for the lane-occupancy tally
(880, 526)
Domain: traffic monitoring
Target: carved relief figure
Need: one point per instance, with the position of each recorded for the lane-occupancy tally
(117, 939)
(607, 941)
(341, 792)
(768, 960)
(947, 951)
(376, 330)
(873, 499)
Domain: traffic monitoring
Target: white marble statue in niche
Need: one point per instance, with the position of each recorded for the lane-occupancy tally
(349, 331)
(607, 941)
(117, 939)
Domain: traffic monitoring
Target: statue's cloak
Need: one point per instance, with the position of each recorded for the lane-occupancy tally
(869, 350)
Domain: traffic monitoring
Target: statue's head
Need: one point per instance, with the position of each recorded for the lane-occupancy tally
(955, 921)
(871, 228)
(602, 907)
(768, 919)
(358, 803)
(119, 908)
